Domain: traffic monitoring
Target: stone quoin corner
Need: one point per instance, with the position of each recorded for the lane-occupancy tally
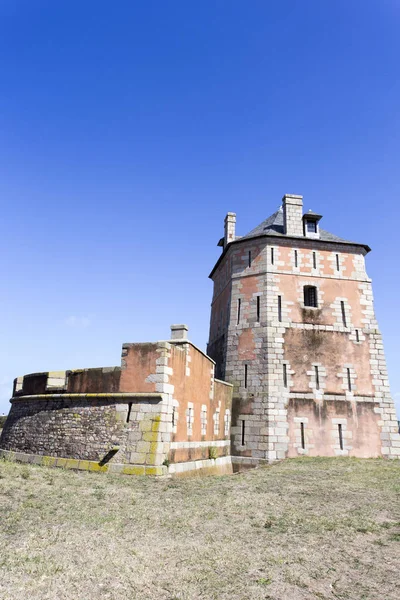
(294, 366)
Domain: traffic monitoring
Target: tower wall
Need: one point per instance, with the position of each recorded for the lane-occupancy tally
(306, 380)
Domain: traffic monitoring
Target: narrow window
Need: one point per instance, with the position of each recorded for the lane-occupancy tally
(243, 426)
(173, 416)
(258, 309)
(203, 420)
(340, 436)
(349, 380)
(303, 445)
(343, 313)
(310, 296)
(128, 416)
(238, 310)
(190, 420)
(245, 376)
(316, 377)
(279, 308)
(216, 423)
(314, 260)
(295, 258)
(337, 263)
(272, 256)
(285, 375)
(227, 421)
(249, 258)
(357, 336)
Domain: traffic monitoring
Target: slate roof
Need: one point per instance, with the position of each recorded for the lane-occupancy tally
(274, 226)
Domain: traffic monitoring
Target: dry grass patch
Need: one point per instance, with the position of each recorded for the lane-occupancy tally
(302, 529)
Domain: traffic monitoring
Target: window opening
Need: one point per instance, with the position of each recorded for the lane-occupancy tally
(243, 432)
(285, 375)
(238, 310)
(343, 313)
(310, 296)
(303, 445)
(295, 258)
(245, 376)
(203, 421)
(314, 258)
(316, 377)
(337, 263)
(258, 308)
(249, 258)
(128, 416)
(357, 336)
(312, 226)
(279, 308)
(340, 436)
(227, 422)
(349, 379)
(272, 256)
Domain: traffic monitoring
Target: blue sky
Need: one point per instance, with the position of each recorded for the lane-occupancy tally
(129, 129)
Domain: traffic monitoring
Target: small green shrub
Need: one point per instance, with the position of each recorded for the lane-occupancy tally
(25, 473)
(213, 452)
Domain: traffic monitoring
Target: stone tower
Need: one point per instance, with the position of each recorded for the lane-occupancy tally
(293, 329)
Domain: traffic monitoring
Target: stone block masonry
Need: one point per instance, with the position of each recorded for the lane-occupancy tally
(295, 367)
(308, 368)
(128, 419)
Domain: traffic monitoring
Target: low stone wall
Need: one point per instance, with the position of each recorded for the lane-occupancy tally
(218, 466)
(83, 465)
(85, 427)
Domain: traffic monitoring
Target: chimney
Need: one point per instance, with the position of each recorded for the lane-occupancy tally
(293, 215)
(179, 332)
(230, 223)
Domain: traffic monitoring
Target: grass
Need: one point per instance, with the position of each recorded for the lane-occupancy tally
(301, 529)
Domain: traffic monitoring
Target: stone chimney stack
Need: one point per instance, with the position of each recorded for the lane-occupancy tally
(293, 215)
(179, 332)
(230, 224)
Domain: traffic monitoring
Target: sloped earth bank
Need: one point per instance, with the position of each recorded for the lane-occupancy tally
(301, 529)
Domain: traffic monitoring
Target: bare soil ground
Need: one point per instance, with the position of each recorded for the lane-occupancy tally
(301, 529)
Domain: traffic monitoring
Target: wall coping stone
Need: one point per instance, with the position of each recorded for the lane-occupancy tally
(155, 396)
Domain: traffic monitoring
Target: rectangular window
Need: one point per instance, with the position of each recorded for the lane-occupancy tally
(272, 256)
(258, 309)
(249, 258)
(285, 375)
(216, 423)
(303, 445)
(310, 296)
(314, 260)
(349, 380)
(337, 263)
(189, 420)
(204, 421)
(280, 308)
(243, 427)
(238, 311)
(227, 421)
(295, 259)
(357, 336)
(245, 376)
(340, 436)
(312, 226)
(343, 313)
(316, 377)
(128, 416)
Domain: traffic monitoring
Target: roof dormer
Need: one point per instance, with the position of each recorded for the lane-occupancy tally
(311, 224)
